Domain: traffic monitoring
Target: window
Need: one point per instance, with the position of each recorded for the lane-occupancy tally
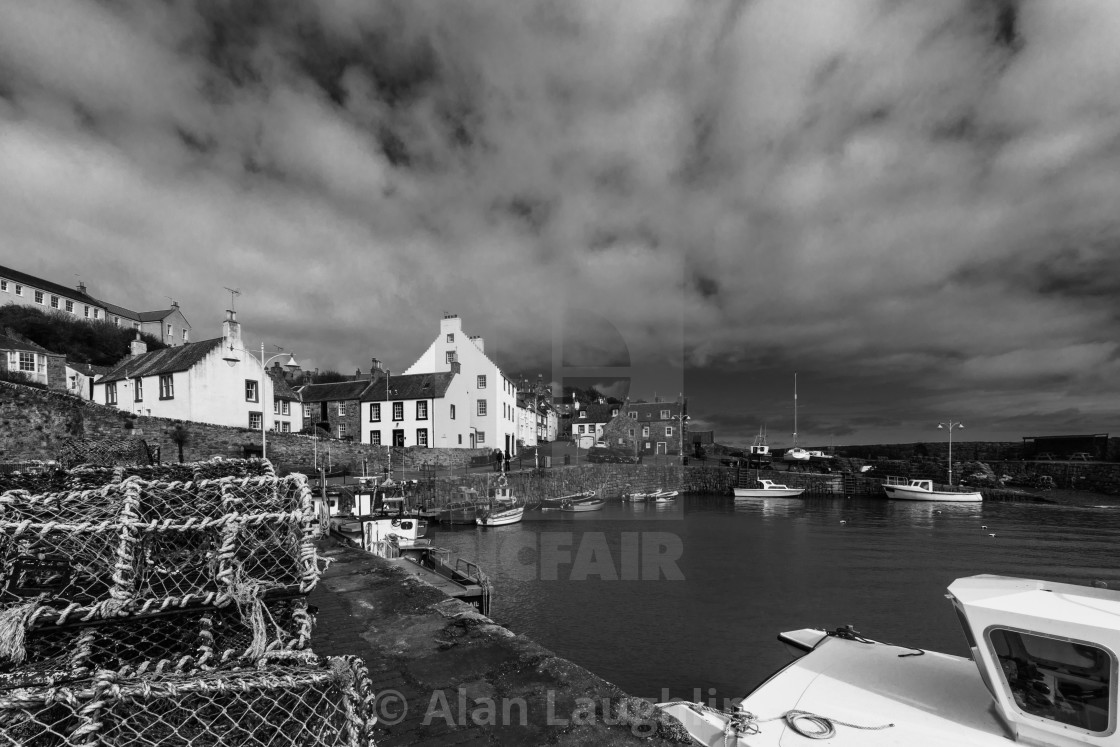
(96, 313)
(480, 437)
(645, 431)
(275, 406)
(421, 436)
(307, 412)
(138, 390)
(398, 411)
(70, 306)
(285, 407)
(460, 439)
(583, 413)
(54, 302)
(166, 387)
(86, 313)
(185, 336)
(255, 420)
(375, 438)
(421, 410)
(342, 430)
(285, 427)
(482, 407)
(621, 440)
(630, 433)
(450, 337)
(111, 393)
(614, 412)
(450, 356)
(341, 407)
(250, 390)
(665, 415)
(4, 285)
(1070, 682)
(38, 296)
(633, 415)
(668, 430)
(375, 412)
(170, 331)
(19, 289)
(27, 362)
(452, 412)
(482, 381)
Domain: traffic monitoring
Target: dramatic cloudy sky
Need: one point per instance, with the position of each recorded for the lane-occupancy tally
(912, 204)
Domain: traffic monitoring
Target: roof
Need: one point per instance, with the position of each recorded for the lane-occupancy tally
(652, 410)
(120, 311)
(410, 386)
(24, 279)
(87, 369)
(597, 413)
(154, 316)
(280, 388)
(168, 360)
(333, 392)
(8, 342)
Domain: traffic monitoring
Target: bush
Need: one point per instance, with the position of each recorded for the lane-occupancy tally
(98, 343)
(19, 377)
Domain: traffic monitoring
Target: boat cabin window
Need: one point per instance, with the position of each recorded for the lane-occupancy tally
(1067, 681)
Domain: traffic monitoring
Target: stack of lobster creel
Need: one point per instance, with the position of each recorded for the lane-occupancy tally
(167, 605)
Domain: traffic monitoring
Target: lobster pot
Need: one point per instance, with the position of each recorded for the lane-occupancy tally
(85, 477)
(308, 703)
(182, 641)
(139, 546)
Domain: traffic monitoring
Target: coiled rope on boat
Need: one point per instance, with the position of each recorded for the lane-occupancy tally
(744, 723)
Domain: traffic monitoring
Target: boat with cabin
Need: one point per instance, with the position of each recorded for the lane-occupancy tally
(461, 508)
(759, 454)
(768, 489)
(900, 489)
(501, 507)
(1042, 671)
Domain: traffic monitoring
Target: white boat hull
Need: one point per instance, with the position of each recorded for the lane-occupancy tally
(910, 493)
(502, 517)
(768, 492)
(587, 505)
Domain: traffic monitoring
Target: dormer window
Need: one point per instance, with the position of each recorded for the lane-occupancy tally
(583, 413)
(665, 415)
(614, 412)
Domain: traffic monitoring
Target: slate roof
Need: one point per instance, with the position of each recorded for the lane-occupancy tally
(88, 370)
(154, 316)
(46, 285)
(410, 386)
(597, 413)
(280, 388)
(168, 360)
(115, 310)
(8, 342)
(333, 392)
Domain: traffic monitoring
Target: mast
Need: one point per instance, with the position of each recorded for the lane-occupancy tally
(795, 409)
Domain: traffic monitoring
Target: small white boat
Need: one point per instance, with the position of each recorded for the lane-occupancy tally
(923, 490)
(559, 504)
(796, 454)
(500, 516)
(664, 496)
(769, 489)
(638, 497)
(1042, 672)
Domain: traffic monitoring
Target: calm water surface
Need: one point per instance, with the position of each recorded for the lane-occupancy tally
(754, 568)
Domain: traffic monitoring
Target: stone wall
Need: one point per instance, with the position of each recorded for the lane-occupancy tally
(35, 423)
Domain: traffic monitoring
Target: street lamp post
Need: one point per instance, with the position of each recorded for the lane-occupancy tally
(291, 365)
(950, 425)
(681, 420)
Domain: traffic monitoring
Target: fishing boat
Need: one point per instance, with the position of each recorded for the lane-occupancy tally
(769, 489)
(1042, 672)
(795, 453)
(501, 507)
(387, 520)
(558, 504)
(925, 490)
(759, 455)
(582, 504)
(462, 508)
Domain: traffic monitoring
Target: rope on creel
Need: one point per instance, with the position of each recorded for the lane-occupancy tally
(13, 630)
(744, 723)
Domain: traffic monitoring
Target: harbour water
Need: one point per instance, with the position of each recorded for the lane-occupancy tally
(593, 587)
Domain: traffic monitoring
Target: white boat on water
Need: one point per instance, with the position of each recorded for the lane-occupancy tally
(924, 490)
(558, 504)
(664, 496)
(1042, 672)
(769, 489)
(584, 504)
(501, 507)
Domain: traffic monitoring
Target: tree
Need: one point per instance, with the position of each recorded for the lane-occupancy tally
(180, 436)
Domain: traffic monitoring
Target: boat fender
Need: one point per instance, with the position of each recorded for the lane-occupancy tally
(396, 522)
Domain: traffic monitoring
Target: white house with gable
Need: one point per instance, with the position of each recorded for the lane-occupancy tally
(490, 395)
(211, 381)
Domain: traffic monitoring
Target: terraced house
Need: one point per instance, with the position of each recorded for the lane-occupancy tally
(211, 381)
(425, 409)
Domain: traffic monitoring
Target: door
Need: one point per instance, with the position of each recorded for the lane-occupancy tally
(661, 447)
(398, 437)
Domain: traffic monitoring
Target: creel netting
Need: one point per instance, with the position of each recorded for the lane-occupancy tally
(137, 546)
(295, 703)
(104, 451)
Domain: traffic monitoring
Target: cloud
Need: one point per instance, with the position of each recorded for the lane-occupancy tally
(916, 196)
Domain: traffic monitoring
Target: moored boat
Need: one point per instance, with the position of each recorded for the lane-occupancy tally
(584, 504)
(769, 489)
(559, 503)
(664, 496)
(462, 508)
(501, 507)
(1042, 672)
(925, 490)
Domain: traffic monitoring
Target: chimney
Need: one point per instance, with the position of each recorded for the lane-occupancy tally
(376, 365)
(231, 331)
(81, 287)
(479, 342)
(174, 304)
(138, 346)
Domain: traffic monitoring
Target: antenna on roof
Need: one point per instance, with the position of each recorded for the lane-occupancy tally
(233, 294)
